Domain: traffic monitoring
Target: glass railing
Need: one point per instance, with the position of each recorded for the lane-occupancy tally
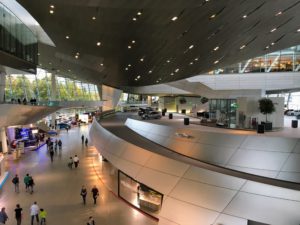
(16, 38)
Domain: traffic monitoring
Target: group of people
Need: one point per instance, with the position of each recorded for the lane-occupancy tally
(86, 140)
(52, 146)
(73, 160)
(95, 194)
(28, 181)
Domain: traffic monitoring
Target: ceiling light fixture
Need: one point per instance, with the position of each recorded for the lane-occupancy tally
(273, 43)
(191, 46)
(176, 70)
(101, 64)
(172, 74)
(139, 13)
(278, 14)
(134, 19)
(274, 29)
(217, 61)
(168, 61)
(216, 48)
(191, 63)
(150, 71)
(51, 11)
(174, 18)
(76, 56)
(244, 16)
(52, 6)
(133, 41)
(142, 59)
(138, 77)
(243, 46)
(129, 65)
(298, 30)
(212, 16)
(94, 18)
(67, 37)
(196, 59)
(126, 68)
(98, 43)
(129, 46)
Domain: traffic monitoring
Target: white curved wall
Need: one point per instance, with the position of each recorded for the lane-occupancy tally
(273, 157)
(193, 195)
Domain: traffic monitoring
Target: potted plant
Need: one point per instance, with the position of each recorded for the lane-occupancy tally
(204, 100)
(266, 106)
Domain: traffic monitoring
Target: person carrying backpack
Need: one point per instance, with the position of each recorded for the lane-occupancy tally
(16, 182)
(31, 184)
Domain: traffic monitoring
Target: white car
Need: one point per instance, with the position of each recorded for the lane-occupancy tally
(293, 113)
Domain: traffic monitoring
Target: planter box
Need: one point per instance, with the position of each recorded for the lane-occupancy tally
(268, 125)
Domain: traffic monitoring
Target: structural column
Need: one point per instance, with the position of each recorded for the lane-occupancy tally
(53, 98)
(2, 86)
(3, 140)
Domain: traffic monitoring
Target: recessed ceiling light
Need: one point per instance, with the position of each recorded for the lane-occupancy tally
(69, 70)
(267, 46)
(67, 37)
(141, 59)
(51, 11)
(212, 16)
(168, 61)
(243, 46)
(216, 48)
(298, 30)
(76, 56)
(135, 79)
(134, 19)
(129, 65)
(98, 43)
(50, 63)
(278, 14)
(273, 29)
(129, 46)
(174, 18)
(133, 41)
(38, 53)
(138, 77)
(57, 70)
(150, 71)
(101, 64)
(94, 18)
(244, 16)
(77, 53)
(272, 43)
(157, 81)
(191, 46)
(217, 61)
(172, 74)
(52, 6)
(176, 70)
(196, 59)
(139, 13)
(126, 68)
(191, 63)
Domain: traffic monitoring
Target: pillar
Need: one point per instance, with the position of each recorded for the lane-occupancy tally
(3, 140)
(2, 86)
(149, 100)
(53, 98)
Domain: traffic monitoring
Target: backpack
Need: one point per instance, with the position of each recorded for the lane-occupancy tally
(14, 180)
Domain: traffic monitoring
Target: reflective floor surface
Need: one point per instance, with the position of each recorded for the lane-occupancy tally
(57, 188)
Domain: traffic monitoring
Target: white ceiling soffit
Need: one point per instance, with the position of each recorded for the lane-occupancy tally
(28, 20)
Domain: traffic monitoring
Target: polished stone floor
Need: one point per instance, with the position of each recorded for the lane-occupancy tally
(57, 187)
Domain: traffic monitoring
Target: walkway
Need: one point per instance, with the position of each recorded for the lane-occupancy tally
(57, 187)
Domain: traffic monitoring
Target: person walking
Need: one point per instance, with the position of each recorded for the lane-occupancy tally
(91, 221)
(70, 163)
(95, 193)
(83, 194)
(34, 212)
(76, 161)
(59, 144)
(3, 216)
(51, 154)
(26, 181)
(16, 182)
(30, 184)
(86, 142)
(18, 214)
(82, 139)
(42, 216)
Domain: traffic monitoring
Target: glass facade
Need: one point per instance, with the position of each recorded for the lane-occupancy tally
(29, 86)
(280, 61)
(16, 38)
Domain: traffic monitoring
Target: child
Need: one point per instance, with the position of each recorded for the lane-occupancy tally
(42, 216)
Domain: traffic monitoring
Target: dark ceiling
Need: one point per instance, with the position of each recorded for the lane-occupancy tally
(208, 34)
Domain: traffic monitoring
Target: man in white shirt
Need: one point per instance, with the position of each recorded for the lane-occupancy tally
(34, 212)
(76, 161)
